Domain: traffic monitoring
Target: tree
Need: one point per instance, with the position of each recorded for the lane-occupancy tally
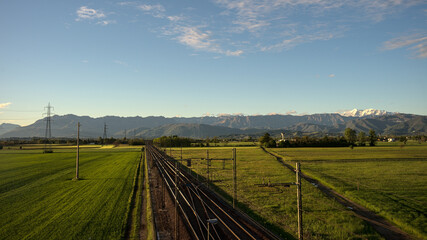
(403, 139)
(270, 144)
(265, 139)
(372, 137)
(350, 135)
(361, 138)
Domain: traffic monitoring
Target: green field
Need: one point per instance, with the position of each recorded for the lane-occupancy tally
(388, 179)
(276, 207)
(39, 199)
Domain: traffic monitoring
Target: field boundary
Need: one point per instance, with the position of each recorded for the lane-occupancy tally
(131, 222)
(379, 223)
(149, 212)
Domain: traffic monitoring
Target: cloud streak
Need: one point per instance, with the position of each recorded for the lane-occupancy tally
(85, 13)
(416, 42)
(243, 26)
(5, 105)
(89, 14)
(197, 39)
(193, 36)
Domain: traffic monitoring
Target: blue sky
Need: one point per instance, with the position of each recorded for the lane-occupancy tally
(194, 58)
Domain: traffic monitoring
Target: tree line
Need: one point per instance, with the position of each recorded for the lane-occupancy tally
(172, 141)
(350, 138)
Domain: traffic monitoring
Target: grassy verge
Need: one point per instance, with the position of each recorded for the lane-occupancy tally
(135, 204)
(151, 231)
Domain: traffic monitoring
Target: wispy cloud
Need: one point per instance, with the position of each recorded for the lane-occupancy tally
(292, 112)
(5, 105)
(84, 13)
(84, 61)
(197, 39)
(267, 25)
(89, 14)
(331, 75)
(208, 114)
(120, 63)
(174, 18)
(106, 22)
(234, 53)
(296, 40)
(415, 42)
(156, 10)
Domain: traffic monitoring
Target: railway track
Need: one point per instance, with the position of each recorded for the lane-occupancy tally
(205, 215)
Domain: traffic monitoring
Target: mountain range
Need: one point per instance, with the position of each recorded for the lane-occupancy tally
(365, 113)
(384, 123)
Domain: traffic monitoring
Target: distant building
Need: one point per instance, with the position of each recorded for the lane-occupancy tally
(283, 138)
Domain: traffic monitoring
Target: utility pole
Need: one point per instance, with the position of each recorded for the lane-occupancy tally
(78, 151)
(176, 201)
(234, 178)
(299, 195)
(207, 166)
(299, 200)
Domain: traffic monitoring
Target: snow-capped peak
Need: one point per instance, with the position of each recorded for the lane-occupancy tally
(365, 113)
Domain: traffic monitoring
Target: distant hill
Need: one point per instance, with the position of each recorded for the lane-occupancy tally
(6, 127)
(202, 127)
(192, 130)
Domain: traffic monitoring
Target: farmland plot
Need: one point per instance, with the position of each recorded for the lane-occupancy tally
(390, 180)
(276, 207)
(39, 199)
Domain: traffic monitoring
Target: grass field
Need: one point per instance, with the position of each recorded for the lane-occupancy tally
(39, 199)
(388, 179)
(276, 207)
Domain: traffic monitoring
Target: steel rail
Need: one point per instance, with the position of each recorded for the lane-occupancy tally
(171, 192)
(167, 169)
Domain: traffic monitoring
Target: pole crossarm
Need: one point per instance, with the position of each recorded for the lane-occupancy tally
(276, 184)
(201, 159)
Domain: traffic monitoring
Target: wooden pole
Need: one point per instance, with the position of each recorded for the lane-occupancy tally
(207, 165)
(299, 200)
(78, 151)
(234, 178)
(176, 201)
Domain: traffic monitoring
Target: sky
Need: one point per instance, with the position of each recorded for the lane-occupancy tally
(211, 57)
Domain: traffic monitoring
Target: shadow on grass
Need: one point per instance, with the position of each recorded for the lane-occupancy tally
(244, 208)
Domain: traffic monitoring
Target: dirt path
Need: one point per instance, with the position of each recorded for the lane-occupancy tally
(381, 225)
